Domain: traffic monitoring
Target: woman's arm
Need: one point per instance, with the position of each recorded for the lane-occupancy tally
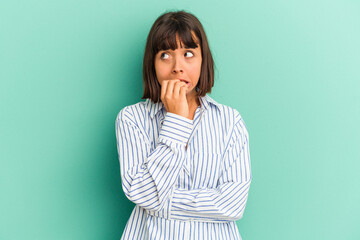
(227, 201)
(147, 177)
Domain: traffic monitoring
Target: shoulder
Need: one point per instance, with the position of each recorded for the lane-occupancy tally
(233, 121)
(228, 113)
(223, 111)
(133, 113)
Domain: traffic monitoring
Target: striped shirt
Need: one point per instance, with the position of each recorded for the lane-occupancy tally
(188, 178)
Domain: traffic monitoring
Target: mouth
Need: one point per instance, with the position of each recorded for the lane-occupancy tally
(185, 81)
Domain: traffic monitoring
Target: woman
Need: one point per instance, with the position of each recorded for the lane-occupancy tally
(184, 158)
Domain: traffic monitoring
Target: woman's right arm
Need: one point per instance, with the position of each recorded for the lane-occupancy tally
(148, 176)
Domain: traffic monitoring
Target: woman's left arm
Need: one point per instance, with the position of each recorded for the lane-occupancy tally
(227, 201)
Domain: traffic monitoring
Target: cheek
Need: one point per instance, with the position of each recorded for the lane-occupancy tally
(160, 70)
(157, 71)
(160, 74)
(196, 68)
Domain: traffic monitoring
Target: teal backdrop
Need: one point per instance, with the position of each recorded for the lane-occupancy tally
(291, 68)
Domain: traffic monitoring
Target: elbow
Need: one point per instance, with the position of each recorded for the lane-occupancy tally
(147, 200)
(238, 216)
(238, 209)
(158, 205)
(235, 215)
(142, 191)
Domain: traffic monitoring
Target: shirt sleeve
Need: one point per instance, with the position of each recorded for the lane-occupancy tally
(227, 201)
(148, 176)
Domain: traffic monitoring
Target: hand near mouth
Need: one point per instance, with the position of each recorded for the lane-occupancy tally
(173, 95)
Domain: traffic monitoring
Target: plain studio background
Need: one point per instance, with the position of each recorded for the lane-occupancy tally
(291, 68)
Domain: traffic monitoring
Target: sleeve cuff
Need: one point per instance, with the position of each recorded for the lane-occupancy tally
(176, 128)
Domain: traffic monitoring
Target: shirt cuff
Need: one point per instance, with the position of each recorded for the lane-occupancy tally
(176, 128)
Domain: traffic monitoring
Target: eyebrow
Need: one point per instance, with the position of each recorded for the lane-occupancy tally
(174, 50)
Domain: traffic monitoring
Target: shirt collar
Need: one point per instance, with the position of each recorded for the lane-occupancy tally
(154, 108)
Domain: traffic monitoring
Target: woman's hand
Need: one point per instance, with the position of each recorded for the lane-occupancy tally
(173, 95)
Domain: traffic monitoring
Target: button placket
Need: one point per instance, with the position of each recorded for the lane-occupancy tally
(196, 127)
(187, 161)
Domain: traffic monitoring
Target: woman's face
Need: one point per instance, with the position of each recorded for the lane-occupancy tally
(182, 63)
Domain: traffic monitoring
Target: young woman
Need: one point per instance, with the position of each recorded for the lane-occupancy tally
(184, 157)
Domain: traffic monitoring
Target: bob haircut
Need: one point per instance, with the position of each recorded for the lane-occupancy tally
(162, 36)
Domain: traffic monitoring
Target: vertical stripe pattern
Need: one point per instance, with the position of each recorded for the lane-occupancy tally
(188, 178)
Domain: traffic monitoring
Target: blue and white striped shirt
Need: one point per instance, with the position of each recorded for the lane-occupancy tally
(188, 178)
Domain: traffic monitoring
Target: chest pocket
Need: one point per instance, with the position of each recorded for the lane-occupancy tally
(205, 169)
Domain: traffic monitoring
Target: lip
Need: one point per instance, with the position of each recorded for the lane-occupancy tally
(183, 80)
(187, 82)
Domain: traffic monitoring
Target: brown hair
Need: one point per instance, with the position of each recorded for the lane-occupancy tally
(162, 36)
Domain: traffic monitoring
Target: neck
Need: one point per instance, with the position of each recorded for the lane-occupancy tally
(193, 101)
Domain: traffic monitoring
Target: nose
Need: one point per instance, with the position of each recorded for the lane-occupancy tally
(177, 67)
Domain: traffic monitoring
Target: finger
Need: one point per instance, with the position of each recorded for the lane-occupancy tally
(183, 90)
(177, 87)
(170, 88)
(163, 89)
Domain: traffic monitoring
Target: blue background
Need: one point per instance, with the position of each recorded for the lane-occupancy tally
(291, 68)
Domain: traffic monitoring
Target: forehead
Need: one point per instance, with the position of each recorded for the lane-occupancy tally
(180, 39)
(193, 38)
(182, 45)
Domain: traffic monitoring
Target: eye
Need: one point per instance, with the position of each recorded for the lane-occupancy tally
(162, 54)
(191, 53)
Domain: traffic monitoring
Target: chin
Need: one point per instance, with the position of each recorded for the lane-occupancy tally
(190, 91)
